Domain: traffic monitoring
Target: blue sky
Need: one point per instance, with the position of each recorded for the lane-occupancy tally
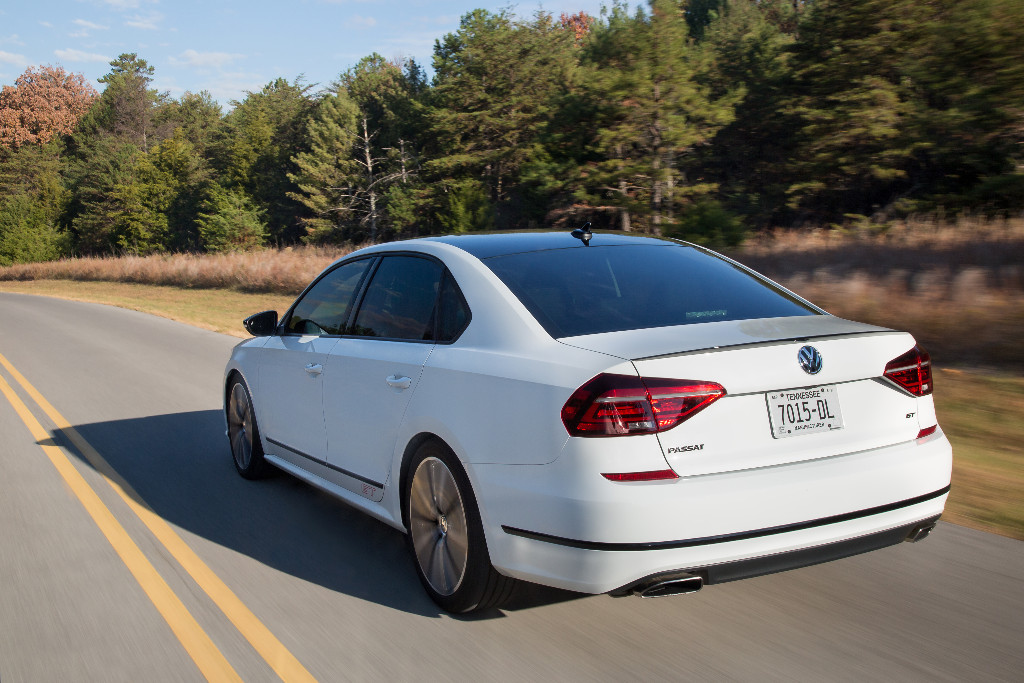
(231, 46)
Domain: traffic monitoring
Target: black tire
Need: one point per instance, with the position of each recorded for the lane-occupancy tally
(446, 536)
(243, 432)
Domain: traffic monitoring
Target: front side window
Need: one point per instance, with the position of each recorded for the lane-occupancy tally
(400, 299)
(325, 307)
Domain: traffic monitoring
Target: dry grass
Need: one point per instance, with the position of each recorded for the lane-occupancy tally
(913, 246)
(282, 271)
(212, 309)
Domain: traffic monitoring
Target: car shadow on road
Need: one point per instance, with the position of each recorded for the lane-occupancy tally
(180, 466)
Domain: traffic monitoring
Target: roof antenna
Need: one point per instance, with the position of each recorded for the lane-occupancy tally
(583, 234)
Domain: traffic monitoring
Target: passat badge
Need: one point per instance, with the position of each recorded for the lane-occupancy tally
(810, 360)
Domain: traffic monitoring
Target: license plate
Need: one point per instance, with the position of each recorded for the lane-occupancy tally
(804, 411)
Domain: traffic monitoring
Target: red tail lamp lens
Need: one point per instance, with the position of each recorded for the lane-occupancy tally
(655, 475)
(912, 371)
(620, 405)
(927, 431)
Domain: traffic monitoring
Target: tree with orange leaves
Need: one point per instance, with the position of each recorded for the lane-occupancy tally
(579, 23)
(44, 102)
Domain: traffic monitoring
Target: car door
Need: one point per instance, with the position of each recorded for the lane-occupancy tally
(372, 372)
(293, 363)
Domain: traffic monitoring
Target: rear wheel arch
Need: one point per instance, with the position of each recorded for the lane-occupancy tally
(404, 473)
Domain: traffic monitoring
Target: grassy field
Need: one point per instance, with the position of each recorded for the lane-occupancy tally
(281, 271)
(983, 416)
(213, 309)
(981, 412)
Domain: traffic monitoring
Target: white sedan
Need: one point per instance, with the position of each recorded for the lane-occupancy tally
(598, 412)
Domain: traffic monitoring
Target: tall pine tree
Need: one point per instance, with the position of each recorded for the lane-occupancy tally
(652, 111)
(497, 84)
(324, 173)
(849, 100)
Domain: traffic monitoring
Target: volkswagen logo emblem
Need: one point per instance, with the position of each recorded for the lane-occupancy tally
(809, 359)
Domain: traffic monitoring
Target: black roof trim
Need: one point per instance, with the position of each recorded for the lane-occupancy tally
(487, 245)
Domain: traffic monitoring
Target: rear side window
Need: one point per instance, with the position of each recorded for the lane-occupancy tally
(588, 290)
(452, 310)
(324, 308)
(400, 299)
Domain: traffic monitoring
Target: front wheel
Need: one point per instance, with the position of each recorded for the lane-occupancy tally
(243, 433)
(446, 536)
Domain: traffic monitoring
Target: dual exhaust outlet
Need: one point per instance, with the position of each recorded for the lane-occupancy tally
(919, 532)
(666, 586)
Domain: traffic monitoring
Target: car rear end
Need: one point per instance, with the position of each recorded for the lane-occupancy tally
(734, 447)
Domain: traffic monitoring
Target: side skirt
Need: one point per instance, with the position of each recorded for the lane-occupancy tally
(343, 493)
(343, 478)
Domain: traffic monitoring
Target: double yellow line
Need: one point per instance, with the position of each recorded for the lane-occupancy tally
(211, 662)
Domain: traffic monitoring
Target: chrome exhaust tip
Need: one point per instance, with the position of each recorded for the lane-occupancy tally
(920, 532)
(677, 586)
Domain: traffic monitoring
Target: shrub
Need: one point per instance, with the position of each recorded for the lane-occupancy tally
(230, 222)
(468, 209)
(26, 233)
(709, 223)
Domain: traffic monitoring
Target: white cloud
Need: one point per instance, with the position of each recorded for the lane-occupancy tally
(46, 24)
(361, 22)
(89, 25)
(148, 23)
(80, 56)
(12, 39)
(122, 4)
(10, 58)
(205, 60)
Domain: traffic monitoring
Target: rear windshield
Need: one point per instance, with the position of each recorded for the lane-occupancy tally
(596, 289)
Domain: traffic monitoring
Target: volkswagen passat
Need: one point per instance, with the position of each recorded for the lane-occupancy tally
(602, 413)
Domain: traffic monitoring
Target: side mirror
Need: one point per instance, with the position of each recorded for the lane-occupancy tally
(261, 324)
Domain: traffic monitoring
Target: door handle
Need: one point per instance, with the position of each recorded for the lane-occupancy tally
(399, 382)
(314, 368)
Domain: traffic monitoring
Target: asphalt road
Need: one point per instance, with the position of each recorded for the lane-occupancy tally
(336, 590)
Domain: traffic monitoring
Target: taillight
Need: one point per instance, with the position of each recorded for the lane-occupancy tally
(912, 371)
(655, 475)
(620, 405)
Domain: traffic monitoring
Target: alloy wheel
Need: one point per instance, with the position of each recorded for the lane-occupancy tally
(437, 524)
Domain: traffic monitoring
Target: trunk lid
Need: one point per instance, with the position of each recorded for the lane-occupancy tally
(756, 361)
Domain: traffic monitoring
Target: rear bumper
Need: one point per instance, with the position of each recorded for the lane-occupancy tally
(596, 536)
(759, 566)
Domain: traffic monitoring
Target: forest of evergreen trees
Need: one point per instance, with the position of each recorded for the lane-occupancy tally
(701, 118)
